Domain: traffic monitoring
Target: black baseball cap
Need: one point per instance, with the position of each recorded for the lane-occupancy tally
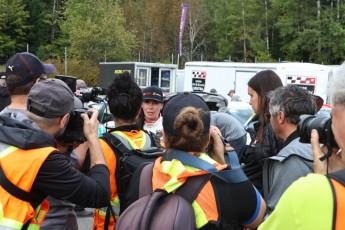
(50, 98)
(174, 106)
(153, 93)
(23, 68)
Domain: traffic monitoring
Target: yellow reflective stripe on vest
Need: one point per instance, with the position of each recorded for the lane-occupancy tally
(115, 204)
(131, 142)
(33, 226)
(6, 223)
(116, 201)
(103, 211)
(200, 216)
(41, 212)
(36, 221)
(10, 224)
(174, 168)
(7, 151)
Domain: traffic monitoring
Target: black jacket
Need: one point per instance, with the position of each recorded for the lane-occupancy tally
(57, 177)
(256, 153)
(5, 98)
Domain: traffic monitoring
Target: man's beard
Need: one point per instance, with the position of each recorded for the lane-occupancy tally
(59, 133)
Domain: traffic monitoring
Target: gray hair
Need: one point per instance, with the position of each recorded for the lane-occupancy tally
(293, 100)
(336, 87)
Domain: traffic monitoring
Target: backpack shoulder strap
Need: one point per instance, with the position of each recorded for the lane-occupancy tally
(145, 184)
(234, 175)
(152, 138)
(189, 190)
(192, 187)
(118, 149)
(117, 146)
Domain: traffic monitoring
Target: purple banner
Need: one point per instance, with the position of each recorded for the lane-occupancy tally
(182, 24)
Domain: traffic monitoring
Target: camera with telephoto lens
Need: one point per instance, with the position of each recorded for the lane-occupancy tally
(74, 129)
(323, 126)
(92, 95)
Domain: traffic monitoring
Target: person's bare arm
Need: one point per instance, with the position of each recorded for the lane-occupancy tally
(91, 133)
(218, 149)
(257, 221)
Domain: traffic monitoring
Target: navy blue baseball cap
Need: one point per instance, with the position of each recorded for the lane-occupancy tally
(23, 68)
(176, 103)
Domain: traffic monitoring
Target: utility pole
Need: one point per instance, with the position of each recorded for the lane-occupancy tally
(266, 13)
(65, 61)
(319, 27)
(244, 34)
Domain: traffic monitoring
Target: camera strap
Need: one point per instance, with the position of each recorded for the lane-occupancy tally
(233, 175)
(330, 142)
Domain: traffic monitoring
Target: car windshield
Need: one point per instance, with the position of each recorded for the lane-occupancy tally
(241, 111)
(241, 114)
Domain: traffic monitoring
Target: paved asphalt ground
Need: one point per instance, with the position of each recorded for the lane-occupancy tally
(85, 223)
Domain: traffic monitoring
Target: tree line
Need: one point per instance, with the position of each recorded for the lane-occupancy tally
(91, 31)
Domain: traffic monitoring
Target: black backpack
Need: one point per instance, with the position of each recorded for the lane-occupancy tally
(160, 210)
(127, 161)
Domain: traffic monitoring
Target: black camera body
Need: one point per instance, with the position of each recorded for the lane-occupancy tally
(74, 129)
(323, 126)
(70, 81)
(92, 95)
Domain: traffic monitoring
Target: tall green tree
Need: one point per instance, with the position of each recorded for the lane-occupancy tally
(156, 27)
(13, 27)
(332, 33)
(298, 29)
(219, 45)
(237, 29)
(39, 36)
(96, 31)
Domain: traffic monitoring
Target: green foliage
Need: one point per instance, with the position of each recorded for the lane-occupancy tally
(13, 27)
(216, 30)
(41, 16)
(96, 30)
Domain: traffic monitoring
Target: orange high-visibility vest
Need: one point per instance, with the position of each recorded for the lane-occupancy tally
(136, 140)
(21, 167)
(339, 204)
(205, 204)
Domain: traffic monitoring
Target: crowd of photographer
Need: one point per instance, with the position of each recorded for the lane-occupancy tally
(54, 152)
(34, 161)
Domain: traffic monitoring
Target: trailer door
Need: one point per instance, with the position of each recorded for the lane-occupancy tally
(165, 77)
(142, 76)
(241, 83)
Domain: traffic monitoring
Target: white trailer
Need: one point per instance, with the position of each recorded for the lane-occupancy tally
(144, 74)
(223, 76)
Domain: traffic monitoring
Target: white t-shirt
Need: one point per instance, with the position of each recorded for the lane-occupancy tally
(155, 127)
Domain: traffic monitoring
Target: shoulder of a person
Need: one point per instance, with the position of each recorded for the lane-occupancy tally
(310, 184)
(56, 154)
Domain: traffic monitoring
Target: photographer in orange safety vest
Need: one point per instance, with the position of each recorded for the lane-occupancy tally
(31, 166)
